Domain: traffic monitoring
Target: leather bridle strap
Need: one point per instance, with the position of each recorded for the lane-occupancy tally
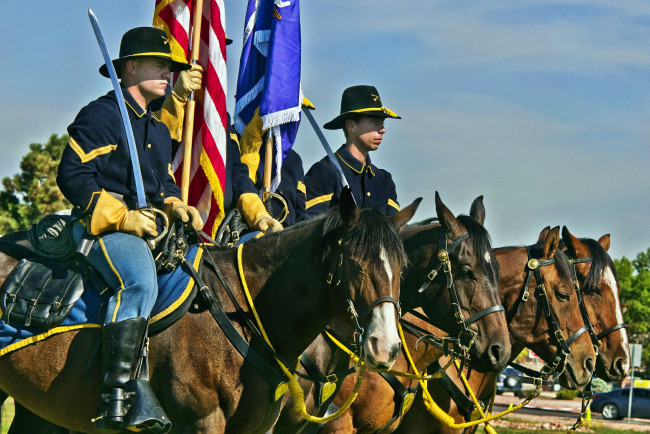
(375, 303)
(595, 338)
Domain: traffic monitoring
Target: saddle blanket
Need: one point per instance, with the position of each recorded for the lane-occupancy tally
(174, 288)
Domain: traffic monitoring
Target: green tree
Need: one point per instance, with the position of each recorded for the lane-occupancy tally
(634, 278)
(33, 193)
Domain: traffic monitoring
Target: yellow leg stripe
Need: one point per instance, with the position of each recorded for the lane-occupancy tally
(317, 200)
(394, 204)
(186, 292)
(110, 264)
(86, 157)
(42, 336)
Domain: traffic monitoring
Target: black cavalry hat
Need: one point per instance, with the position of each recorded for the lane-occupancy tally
(358, 100)
(145, 42)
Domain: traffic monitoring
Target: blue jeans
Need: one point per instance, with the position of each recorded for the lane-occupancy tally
(126, 263)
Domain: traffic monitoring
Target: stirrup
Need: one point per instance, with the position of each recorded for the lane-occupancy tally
(144, 412)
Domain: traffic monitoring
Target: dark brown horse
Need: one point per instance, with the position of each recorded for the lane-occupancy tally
(475, 275)
(527, 328)
(600, 290)
(203, 383)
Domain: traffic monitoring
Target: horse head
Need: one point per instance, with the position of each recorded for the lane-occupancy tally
(460, 289)
(549, 320)
(598, 286)
(367, 259)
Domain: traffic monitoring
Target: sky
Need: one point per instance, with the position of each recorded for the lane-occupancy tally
(540, 106)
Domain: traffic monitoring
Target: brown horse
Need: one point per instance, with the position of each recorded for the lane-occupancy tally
(475, 275)
(599, 288)
(201, 380)
(527, 329)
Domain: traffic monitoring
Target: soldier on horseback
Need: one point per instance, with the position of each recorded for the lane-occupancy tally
(95, 176)
(362, 120)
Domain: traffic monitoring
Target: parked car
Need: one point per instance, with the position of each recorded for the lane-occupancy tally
(614, 404)
(509, 381)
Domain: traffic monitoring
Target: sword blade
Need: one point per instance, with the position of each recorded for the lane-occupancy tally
(328, 150)
(135, 162)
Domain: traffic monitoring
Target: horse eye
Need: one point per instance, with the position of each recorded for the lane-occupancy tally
(563, 296)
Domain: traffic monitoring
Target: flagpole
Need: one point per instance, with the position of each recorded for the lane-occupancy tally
(268, 166)
(188, 130)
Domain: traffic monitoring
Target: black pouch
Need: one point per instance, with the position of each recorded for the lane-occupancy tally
(231, 229)
(41, 293)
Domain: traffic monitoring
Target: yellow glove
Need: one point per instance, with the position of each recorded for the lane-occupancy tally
(179, 210)
(267, 224)
(110, 214)
(251, 207)
(188, 81)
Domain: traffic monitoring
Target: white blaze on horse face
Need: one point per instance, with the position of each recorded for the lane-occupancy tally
(382, 330)
(610, 280)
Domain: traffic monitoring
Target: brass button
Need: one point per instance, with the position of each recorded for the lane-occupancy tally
(368, 193)
(162, 194)
(149, 145)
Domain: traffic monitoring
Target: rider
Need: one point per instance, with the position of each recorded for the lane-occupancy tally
(362, 120)
(95, 175)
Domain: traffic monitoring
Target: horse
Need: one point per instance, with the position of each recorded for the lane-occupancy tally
(475, 275)
(527, 329)
(299, 280)
(598, 285)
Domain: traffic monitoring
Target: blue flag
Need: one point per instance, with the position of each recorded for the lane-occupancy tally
(268, 85)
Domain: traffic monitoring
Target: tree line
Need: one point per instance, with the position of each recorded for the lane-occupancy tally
(33, 193)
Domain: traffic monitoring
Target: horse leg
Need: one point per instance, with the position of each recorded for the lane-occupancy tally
(27, 422)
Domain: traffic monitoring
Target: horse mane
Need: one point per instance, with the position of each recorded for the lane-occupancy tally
(600, 260)
(482, 243)
(366, 237)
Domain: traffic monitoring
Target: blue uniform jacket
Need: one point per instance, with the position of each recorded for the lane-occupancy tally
(237, 180)
(291, 188)
(371, 186)
(97, 156)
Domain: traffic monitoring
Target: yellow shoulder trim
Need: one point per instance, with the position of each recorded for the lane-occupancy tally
(317, 200)
(86, 157)
(186, 292)
(235, 138)
(170, 171)
(394, 204)
(42, 336)
(302, 188)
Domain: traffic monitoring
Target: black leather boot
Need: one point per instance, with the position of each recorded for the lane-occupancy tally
(127, 403)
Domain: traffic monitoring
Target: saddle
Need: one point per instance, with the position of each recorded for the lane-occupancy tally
(51, 275)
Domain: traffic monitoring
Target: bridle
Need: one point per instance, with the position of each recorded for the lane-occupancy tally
(558, 362)
(445, 264)
(334, 279)
(595, 338)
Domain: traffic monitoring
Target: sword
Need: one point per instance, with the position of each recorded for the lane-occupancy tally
(135, 162)
(328, 150)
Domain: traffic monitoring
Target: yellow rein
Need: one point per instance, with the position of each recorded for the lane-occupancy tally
(297, 393)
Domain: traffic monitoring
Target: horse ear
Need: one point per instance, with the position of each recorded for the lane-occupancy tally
(447, 219)
(406, 214)
(604, 242)
(552, 242)
(577, 249)
(542, 236)
(477, 210)
(348, 208)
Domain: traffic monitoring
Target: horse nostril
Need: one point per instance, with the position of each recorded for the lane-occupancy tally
(589, 364)
(495, 353)
(619, 368)
(394, 351)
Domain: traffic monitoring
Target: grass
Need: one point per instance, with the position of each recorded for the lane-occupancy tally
(7, 414)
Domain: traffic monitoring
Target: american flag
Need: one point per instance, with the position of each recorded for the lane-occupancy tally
(208, 171)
